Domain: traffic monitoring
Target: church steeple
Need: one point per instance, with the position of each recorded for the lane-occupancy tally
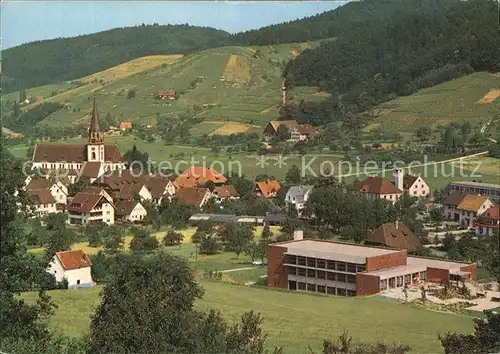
(95, 134)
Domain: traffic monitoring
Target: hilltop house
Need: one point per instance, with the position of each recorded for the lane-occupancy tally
(489, 223)
(130, 210)
(87, 208)
(267, 189)
(415, 186)
(194, 196)
(450, 205)
(471, 207)
(198, 176)
(222, 193)
(74, 266)
(166, 94)
(296, 198)
(378, 188)
(95, 157)
(393, 235)
(272, 127)
(125, 125)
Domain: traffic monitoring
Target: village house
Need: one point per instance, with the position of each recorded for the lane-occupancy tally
(470, 208)
(74, 266)
(378, 188)
(166, 94)
(193, 196)
(198, 176)
(267, 189)
(272, 127)
(393, 235)
(58, 190)
(42, 202)
(131, 190)
(302, 132)
(160, 188)
(296, 198)
(131, 211)
(96, 190)
(450, 205)
(415, 186)
(222, 193)
(88, 208)
(490, 190)
(488, 224)
(97, 155)
(125, 125)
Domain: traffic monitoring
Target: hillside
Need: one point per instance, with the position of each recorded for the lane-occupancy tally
(236, 84)
(473, 98)
(52, 61)
(62, 59)
(417, 49)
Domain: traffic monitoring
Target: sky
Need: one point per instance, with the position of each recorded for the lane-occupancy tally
(28, 21)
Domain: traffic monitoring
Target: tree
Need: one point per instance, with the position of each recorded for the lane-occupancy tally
(293, 175)
(173, 238)
(80, 183)
(113, 242)
(485, 338)
(491, 257)
(209, 244)
(266, 232)
(133, 307)
(290, 225)
(436, 215)
(96, 233)
(237, 237)
(18, 268)
(131, 93)
(423, 133)
(142, 241)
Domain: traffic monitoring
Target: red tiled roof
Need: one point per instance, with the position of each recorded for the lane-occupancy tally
(125, 207)
(40, 183)
(166, 93)
(290, 124)
(126, 125)
(71, 153)
(73, 259)
(408, 181)
(85, 202)
(472, 202)
(226, 191)
(267, 188)
(198, 176)
(128, 190)
(91, 169)
(157, 185)
(454, 199)
(494, 212)
(92, 190)
(41, 196)
(191, 196)
(388, 235)
(377, 185)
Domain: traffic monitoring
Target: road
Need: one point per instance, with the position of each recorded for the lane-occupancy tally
(415, 166)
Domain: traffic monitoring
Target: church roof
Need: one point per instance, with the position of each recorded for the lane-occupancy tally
(71, 153)
(94, 122)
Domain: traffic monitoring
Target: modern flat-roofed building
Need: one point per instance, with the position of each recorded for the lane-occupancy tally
(489, 190)
(351, 270)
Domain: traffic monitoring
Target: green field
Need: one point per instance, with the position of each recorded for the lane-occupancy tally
(452, 101)
(293, 320)
(243, 83)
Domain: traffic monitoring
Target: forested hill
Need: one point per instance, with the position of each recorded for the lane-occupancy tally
(343, 20)
(62, 59)
(417, 48)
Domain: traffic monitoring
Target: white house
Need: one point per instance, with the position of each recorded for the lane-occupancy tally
(74, 266)
(130, 189)
(415, 186)
(160, 188)
(58, 190)
(130, 210)
(296, 198)
(222, 193)
(450, 205)
(86, 208)
(471, 207)
(42, 202)
(489, 223)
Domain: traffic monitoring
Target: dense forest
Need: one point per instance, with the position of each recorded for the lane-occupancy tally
(70, 58)
(418, 48)
(63, 59)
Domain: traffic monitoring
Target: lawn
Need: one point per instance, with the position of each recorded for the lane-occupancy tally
(293, 320)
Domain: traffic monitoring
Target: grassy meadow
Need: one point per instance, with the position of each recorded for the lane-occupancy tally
(292, 320)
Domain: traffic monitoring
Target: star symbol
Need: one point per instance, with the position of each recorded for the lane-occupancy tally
(262, 161)
(280, 161)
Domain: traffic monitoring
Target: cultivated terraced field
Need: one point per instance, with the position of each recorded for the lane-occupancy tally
(228, 84)
(472, 98)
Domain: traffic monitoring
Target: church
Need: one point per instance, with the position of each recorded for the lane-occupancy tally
(90, 160)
